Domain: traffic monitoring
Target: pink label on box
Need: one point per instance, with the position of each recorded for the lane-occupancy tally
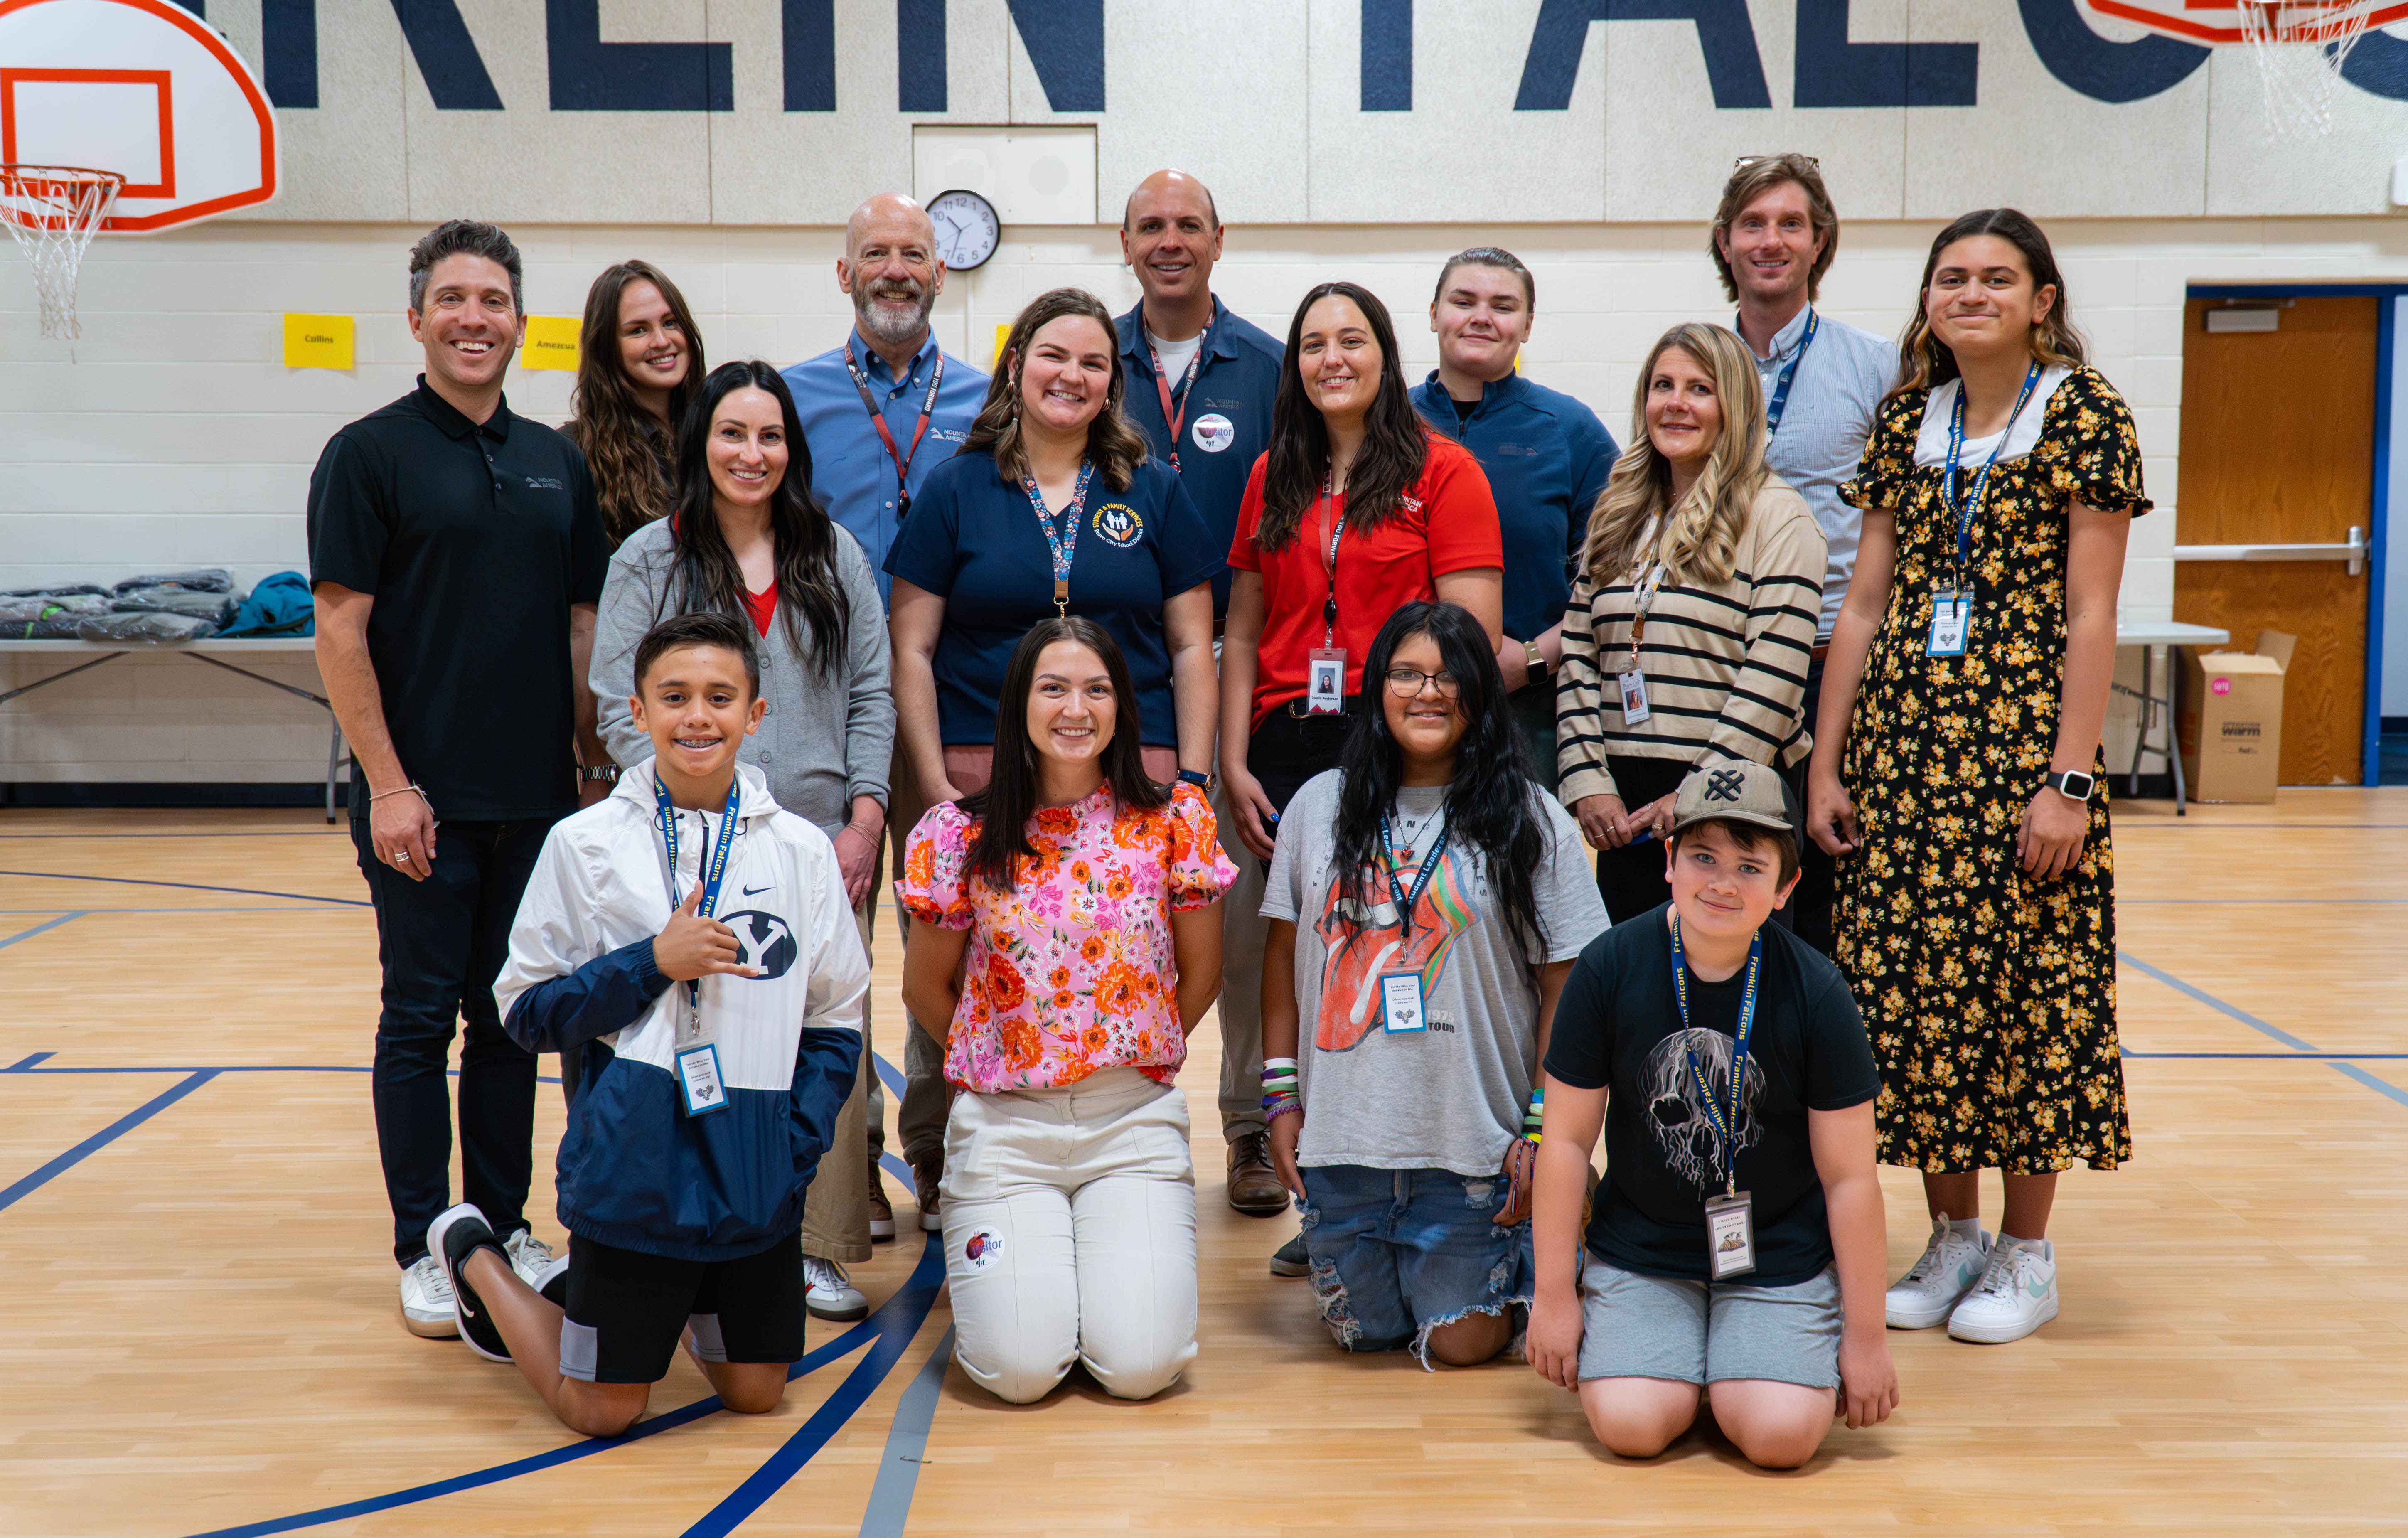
(2221, 686)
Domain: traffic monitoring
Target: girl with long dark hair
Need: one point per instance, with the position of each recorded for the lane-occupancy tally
(640, 360)
(1427, 900)
(747, 538)
(1957, 764)
(1355, 509)
(1066, 945)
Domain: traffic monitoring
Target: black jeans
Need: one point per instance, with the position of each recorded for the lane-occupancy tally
(1818, 874)
(1288, 749)
(441, 942)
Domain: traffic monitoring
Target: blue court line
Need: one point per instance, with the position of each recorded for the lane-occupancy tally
(2282, 1056)
(2249, 902)
(10, 1195)
(28, 934)
(195, 908)
(2346, 1069)
(235, 833)
(907, 1444)
(21, 1064)
(900, 1315)
(189, 886)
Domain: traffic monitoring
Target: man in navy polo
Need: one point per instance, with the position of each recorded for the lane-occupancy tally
(1201, 380)
(880, 412)
(1546, 455)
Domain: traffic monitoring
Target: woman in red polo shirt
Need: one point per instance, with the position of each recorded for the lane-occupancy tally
(1355, 510)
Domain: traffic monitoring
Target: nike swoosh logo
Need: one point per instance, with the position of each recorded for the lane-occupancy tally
(756, 891)
(2038, 1289)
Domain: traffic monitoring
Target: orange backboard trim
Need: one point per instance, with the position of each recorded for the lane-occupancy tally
(161, 78)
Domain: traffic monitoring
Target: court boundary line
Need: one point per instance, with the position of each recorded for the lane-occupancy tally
(907, 1444)
(26, 1185)
(67, 917)
(2350, 1071)
(187, 887)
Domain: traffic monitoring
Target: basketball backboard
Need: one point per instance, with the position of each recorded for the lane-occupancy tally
(142, 88)
(2221, 22)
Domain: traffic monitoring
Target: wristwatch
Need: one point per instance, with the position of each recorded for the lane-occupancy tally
(1538, 659)
(1198, 779)
(2073, 784)
(607, 773)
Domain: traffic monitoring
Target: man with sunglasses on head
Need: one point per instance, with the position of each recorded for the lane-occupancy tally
(1774, 235)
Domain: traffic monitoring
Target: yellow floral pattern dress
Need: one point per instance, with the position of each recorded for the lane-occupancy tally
(1989, 994)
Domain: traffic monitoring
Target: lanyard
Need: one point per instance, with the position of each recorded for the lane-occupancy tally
(1642, 591)
(1965, 510)
(1186, 384)
(1065, 545)
(1723, 1125)
(878, 420)
(1408, 902)
(711, 871)
(1329, 565)
(1779, 398)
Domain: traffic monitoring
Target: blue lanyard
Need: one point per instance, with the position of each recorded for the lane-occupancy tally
(1064, 545)
(714, 865)
(1965, 510)
(1723, 1125)
(1408, 902)
(1779, 401)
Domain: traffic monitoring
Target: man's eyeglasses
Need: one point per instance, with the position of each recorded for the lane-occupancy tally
(1405, 682)
(1743, 162)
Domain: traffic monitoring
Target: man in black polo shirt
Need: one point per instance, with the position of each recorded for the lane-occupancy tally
(457, 556)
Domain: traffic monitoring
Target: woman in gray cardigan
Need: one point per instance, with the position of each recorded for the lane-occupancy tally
(747, 538)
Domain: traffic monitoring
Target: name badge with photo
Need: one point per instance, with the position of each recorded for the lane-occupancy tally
(1730, 1236)
(1400, 1003)
(1324, 681)
(1634, 697)
(699, 1084)
(1951, 618)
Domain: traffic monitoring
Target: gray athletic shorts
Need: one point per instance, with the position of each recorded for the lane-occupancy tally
(1662, 1326)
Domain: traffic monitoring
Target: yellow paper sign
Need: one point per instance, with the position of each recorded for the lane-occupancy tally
(550, 342)
(1002, 333)
(318, 342)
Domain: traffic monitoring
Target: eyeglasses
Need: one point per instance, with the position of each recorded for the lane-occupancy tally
(1743, 162)
(1406, 683)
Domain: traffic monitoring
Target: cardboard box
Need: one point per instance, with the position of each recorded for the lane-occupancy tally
(2230, 728)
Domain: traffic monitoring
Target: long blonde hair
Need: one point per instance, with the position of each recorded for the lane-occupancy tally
(1699, 539)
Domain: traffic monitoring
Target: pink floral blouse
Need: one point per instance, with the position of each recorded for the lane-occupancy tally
(1072, 970)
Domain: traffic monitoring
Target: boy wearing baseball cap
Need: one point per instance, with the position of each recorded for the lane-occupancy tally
(1736, 1244)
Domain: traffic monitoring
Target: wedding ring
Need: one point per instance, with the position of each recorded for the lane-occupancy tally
(401, 857)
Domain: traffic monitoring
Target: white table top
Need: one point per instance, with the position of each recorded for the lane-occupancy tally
(2168, 633)
(229, 643)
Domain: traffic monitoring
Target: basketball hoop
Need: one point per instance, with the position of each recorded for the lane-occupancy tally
(2299, 49)
(53, 210)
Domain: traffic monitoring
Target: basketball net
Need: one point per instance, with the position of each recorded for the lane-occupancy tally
(54, 211)
(2299, 49)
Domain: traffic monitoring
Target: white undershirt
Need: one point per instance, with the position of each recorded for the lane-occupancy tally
(1175, 356)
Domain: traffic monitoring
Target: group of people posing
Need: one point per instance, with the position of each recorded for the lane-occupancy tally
(1737, 795)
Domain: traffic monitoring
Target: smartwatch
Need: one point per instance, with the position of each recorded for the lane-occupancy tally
(2073, 784)
(1538, 659)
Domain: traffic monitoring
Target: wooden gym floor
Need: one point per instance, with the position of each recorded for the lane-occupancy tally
(198, 1331)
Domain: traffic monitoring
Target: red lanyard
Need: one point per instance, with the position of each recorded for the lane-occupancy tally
(878, 420)
(1187, 382)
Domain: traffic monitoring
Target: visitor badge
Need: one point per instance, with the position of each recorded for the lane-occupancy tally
(1952, 616)
(1324, 681)
(1730, 1236)
(1400, 1002)
(1634, 697)
(698, 1082)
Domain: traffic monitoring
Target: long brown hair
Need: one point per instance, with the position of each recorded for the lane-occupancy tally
(1926, 362)
(1699, 539)
(1396, 444)
(1115, 446)
(627, 450)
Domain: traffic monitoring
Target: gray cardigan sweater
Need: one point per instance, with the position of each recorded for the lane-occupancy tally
(829, 735)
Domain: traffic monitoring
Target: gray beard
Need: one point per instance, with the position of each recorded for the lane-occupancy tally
(880, 322)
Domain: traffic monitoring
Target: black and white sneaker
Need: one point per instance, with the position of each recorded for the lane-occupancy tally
(1289, 1259)
(460, 1232)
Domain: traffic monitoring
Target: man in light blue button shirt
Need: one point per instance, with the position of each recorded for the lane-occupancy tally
(880, 412)
(1774, 235)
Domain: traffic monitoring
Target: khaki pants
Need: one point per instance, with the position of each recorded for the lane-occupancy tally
(1244, 930)
(835, 1209)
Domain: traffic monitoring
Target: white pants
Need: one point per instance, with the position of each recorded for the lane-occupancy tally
(1070, 1236)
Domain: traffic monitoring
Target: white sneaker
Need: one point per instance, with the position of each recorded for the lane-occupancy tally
(427, 1307)
(530, 1256)
(831, 1294)
(2016, 1295)
(1934, 1285)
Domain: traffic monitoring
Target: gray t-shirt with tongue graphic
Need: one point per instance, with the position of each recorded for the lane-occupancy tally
(1450, 1096)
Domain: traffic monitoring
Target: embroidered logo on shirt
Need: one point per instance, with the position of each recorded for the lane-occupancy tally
(1213, 433)
(543, 482)
(1117, 524)
(764, 941)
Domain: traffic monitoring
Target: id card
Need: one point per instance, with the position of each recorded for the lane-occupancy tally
(1634, 697)
(1952, 616)
(1324, 681)
(699, 1083)
(1730, 1236)
(1400, 1003)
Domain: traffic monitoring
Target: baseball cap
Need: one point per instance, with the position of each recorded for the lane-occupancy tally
(1737, 792)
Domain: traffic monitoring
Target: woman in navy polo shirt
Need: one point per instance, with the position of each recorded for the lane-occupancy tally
(1052, 507)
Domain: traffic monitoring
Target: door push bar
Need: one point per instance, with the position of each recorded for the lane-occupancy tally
(2353, 550)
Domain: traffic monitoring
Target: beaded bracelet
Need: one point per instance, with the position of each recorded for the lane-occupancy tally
(1535, 1118)
(1276, 1106)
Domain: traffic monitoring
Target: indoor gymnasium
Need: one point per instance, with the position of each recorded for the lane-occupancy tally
(1673, 653)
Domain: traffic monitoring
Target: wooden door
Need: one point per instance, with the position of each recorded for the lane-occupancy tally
(2278, 447)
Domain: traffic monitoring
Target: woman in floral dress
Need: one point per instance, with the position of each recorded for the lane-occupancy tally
(1958, 761)
(1068, 938)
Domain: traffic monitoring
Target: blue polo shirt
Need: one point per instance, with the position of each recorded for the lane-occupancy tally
(972, 539)
(849, 470)
(1546, 457)
(1227, 421)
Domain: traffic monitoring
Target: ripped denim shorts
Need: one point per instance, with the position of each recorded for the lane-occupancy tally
(1398, 1252)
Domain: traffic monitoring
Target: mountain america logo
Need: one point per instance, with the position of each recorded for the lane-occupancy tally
(765, 940)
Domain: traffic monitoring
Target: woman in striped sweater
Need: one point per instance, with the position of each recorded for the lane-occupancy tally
(1690, 630)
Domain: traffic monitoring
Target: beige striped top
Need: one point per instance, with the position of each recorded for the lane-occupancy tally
(1726, 664)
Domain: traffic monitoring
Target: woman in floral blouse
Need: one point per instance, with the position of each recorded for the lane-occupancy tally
(1957, 765)
(1070, 939)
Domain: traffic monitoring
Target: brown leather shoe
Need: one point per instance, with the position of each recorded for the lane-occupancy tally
(1253, 1186)
(882, 1212)
(927, 1173)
